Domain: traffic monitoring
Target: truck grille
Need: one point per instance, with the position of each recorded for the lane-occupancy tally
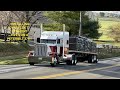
(41, 50)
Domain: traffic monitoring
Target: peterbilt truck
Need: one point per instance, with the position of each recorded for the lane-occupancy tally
(57, 47)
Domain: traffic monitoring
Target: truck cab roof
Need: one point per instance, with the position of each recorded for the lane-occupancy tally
(53, 34)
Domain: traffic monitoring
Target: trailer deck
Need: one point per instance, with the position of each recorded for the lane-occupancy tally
(73, 51)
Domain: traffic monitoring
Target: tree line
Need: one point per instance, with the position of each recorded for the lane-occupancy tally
(69, 18)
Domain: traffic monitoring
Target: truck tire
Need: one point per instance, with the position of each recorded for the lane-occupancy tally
(55, 63)
(90, 59)
(95, 59)
(58, 59)
(72, 62)
(75, 62)
(31, 64)
(68, 62)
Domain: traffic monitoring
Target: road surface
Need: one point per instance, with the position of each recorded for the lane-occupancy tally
(107, 69)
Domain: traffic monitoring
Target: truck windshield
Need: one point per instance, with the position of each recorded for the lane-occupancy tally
(48, 41)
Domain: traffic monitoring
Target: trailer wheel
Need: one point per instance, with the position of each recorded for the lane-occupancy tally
(90, 59)
(31, 63)
(95, 59)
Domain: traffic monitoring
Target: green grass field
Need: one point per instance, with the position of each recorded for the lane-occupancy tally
(11, 53)
(14, 59)
(105, 23)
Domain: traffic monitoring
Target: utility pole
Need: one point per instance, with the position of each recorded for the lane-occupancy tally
(41, 29)
(80, 28)
(63, 37)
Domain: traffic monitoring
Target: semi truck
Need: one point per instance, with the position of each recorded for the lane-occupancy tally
(57, 47)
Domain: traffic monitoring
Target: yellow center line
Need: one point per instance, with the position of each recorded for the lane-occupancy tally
(71, 73)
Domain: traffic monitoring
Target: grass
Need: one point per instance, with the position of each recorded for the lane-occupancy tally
(13, 53)
(7, 49)
(109, 19)
(14, 59)
(110, 42)
(105, 23)
(108, 55)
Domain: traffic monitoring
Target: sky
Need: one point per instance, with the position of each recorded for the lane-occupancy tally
(108, 11)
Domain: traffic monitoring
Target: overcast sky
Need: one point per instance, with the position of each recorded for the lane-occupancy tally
(108, 11)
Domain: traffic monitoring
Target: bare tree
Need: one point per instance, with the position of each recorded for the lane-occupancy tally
(5, 20)
(31, 17)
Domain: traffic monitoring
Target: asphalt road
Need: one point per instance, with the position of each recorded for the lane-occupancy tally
(107, 69)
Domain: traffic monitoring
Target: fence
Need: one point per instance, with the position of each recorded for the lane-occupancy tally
(108, 50)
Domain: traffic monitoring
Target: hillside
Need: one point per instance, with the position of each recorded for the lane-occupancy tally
(105, 23)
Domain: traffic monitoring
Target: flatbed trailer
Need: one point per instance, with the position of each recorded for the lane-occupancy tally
(85, 56)
(72, 58)
(73, 51)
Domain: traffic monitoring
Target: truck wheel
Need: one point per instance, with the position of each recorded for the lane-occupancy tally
(55, 62)
(95, 59)
(72, 62)
(75, 62)
(31, 63)
(58, 59)
(68, 62)
(53, 65)
(90, 59)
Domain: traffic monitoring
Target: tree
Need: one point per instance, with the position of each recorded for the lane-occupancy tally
(72, 22)
(115, 32)
(5, 20)
(102, 14)
(29, 17)
(32, 17)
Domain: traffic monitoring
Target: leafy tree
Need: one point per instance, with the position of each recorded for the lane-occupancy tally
(72, 22)
(115, 32)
